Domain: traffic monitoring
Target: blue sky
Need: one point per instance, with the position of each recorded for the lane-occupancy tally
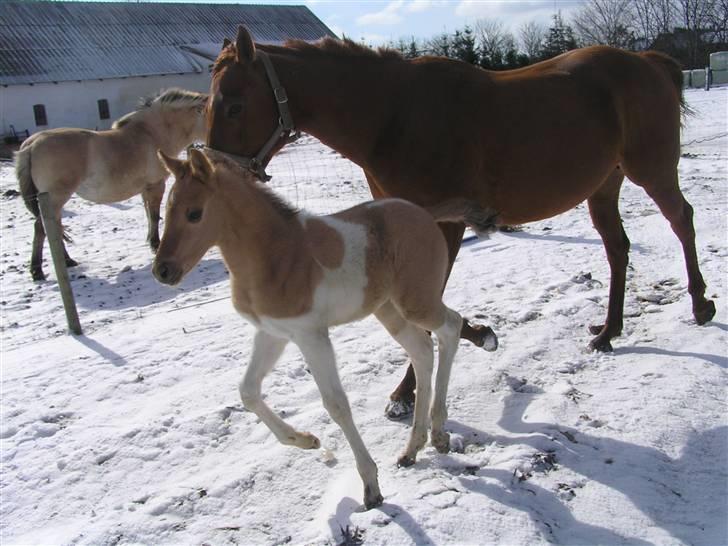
(379, 21)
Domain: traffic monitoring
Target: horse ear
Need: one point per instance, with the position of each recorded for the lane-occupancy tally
(201, 166)
(225, 43)
(172, 164)
(244, 46)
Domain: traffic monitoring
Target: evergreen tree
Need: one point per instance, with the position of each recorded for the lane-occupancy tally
(440, 45)
(560, 38)
(463, 46)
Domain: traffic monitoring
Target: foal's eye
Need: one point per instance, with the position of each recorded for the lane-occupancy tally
(235, 110)
(194, 215)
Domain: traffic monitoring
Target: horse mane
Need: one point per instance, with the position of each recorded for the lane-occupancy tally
(327, 46)
(173, 97)
(280, 205)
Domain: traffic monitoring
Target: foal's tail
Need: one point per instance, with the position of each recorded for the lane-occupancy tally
(481, 220)
(27, 187)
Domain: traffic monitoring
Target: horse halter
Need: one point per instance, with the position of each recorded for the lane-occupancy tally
(285, 127)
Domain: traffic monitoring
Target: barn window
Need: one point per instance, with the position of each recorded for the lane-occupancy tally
(40, 115)
(103, 109)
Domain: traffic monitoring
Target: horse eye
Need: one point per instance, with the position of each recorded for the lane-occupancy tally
(235, 110)
(194, 215)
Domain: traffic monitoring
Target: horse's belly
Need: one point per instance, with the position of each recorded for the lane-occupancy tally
(104, 191)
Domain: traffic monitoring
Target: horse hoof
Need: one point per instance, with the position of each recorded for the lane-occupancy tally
(490, 340)
(705, 313)
(601, 345)
(38, 275)
(441, 442)
(309, 441)
(405, 460)
(70, 262)
(397, 410)
(372, 498)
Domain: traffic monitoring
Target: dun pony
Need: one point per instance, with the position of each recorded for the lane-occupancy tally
(108, 166)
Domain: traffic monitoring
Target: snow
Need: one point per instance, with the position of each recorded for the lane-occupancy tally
(135, 434)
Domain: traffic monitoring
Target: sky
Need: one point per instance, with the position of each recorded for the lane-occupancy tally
(380, 21)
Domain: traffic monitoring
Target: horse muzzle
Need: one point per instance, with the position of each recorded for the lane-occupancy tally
(167, 272)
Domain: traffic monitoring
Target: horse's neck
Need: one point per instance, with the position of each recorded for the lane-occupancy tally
(259, 245)
(170, 130)
(326, 92)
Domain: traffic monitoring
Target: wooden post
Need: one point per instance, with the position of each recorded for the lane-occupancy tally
(55, 241)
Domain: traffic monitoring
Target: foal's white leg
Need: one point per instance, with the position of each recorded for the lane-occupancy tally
(418, 345)
(448, 337)
(266, 352)
(319, 354)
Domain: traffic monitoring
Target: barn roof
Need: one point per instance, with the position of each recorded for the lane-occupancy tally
(44, 41)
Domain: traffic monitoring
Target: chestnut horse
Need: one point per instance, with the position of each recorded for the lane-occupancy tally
(294, 275)
(108, 166)
(529, 143)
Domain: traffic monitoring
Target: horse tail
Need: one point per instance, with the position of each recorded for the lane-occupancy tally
(674, 72)
(28, 189)
(481, 220)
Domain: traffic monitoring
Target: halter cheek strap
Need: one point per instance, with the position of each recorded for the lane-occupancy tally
(285, 129)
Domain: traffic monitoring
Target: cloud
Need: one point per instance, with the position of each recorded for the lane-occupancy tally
(514, 12)
(416, 6)
(388, 16)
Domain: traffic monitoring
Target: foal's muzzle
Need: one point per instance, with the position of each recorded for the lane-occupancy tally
(167, 272)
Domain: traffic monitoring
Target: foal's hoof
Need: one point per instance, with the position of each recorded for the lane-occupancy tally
(405, 461)
(705, 313)
(372, 497)
(70, 262)
(440, 441)
(38, 274)
(490, 340)
(397, 410)
(308, 441)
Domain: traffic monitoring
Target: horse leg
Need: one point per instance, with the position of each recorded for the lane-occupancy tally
(319, 355)
(266, 352)
(401, 401)
(36, 257)
(679, 213)
(418, 345)
(604, 211)
(447, 346)
(152, 196)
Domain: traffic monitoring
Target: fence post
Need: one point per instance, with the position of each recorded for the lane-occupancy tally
(708, 77)
(55, 241)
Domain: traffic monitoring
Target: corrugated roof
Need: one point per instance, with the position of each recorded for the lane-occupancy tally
(62, 41)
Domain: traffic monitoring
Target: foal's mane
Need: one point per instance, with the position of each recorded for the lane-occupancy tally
(236, 171)
(173, 97)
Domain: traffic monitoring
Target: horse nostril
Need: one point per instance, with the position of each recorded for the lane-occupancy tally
(162, 271)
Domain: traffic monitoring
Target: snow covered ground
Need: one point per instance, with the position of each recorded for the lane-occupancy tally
(134, 433)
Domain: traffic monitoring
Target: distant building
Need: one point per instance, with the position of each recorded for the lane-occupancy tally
(84, 64)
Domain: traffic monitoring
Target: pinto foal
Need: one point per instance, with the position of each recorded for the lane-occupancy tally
(294, 275)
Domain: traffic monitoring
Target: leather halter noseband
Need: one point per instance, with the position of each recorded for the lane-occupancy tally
(255, 164)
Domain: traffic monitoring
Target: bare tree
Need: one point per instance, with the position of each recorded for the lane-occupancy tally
(532, 36)
(652, 18)
(695, 18)
(605, 22)
(719, 21)
(494, 40)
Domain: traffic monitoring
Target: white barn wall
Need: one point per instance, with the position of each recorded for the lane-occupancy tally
(74, 104)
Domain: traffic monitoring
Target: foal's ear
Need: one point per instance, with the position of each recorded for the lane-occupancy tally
(175, 166)
(244, 46)
(201, 166)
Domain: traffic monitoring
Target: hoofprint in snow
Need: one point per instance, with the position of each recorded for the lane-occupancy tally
(134, 433)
